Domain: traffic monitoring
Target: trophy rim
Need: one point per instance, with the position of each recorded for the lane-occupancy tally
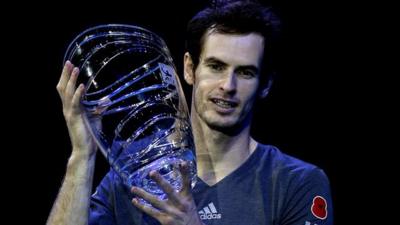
(111, 25)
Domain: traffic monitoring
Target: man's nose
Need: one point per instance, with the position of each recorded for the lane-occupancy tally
(229, 83)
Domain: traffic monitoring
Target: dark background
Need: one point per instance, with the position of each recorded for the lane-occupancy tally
(319, 108)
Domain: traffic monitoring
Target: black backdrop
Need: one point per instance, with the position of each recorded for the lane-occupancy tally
(309, 113)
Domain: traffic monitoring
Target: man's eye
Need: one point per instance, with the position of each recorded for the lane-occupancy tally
(216, 67)
(247, 73)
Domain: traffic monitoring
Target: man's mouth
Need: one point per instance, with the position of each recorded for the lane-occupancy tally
(224, 103)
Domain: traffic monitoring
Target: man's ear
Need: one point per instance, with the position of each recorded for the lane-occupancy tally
(266, 88)
(188, 68)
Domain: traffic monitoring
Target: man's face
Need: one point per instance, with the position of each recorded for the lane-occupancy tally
(226, 80)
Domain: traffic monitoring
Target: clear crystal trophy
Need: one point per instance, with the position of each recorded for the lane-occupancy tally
(133, 104)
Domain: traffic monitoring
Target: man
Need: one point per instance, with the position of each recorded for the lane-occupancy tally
(240, 181)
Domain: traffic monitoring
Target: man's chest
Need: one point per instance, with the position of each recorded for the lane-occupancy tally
(246, 204)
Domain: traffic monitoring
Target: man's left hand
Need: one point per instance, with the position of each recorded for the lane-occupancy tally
(178, 209)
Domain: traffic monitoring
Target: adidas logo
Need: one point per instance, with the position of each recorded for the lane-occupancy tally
(209, 213)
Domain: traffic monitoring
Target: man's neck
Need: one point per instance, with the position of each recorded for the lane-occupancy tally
(219, 154)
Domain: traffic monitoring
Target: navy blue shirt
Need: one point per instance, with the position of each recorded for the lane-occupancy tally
(269, 188)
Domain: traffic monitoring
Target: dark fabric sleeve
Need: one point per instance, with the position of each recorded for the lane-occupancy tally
(102, 202)
(308, 200)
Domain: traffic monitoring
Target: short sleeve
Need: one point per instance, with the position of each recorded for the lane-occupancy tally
(308, 200)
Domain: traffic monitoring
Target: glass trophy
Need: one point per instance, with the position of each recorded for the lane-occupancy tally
(133, 104)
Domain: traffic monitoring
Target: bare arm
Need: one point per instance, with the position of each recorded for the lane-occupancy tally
(72, 203)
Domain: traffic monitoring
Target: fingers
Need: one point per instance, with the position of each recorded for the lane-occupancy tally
(77, 97)
(153, 200)
(165, 186)
(62, 83)
(186, 181)
(66, 85)
(147, 209)
(173, 195)
(70, 88)
(179, 206)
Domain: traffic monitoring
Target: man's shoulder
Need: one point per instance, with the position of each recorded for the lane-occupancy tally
(301, 188)
(285, 164)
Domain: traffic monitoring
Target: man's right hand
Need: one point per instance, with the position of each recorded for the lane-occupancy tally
(73, 200)
(81, 140)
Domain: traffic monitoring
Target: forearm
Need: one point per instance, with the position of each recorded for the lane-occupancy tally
(72, 203)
